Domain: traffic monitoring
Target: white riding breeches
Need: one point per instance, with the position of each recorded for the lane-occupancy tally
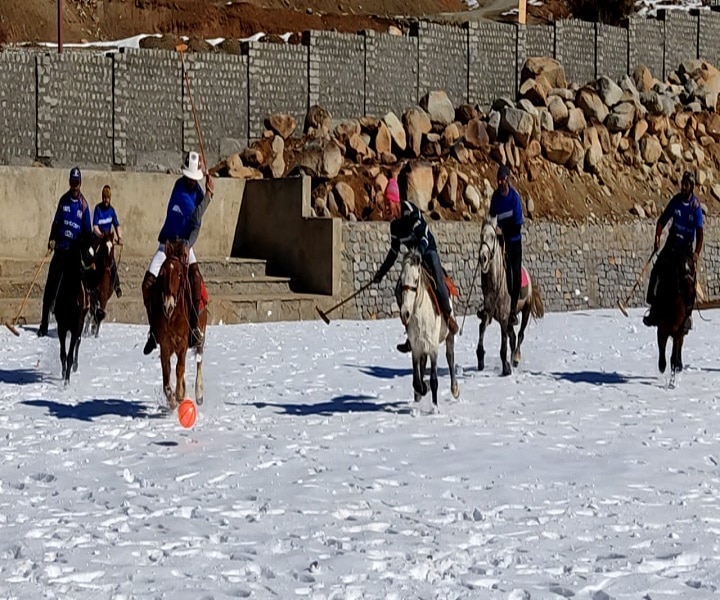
(159, 259)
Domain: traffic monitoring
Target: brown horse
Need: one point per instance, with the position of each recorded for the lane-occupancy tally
(103, 283)
(496, 300)
(675, 299)
(171, 323)
(71, 306)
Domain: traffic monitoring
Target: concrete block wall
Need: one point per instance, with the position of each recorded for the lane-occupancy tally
(575, 49)
(18, 125)
(493, 60)
(539, 41)
(148, 109)
(647, 45)
(339, 61)
(576, 267)
(391, 73)
(75, 109)
(681, 38)
(709, 36)
(612, 51)
(219, 87)
(443, 58)
(279, 80)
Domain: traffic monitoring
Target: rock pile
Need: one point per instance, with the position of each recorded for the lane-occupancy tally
(597, 136)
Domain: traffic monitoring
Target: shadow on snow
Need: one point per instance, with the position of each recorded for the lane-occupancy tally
(340, 404)
(598, 377)
(91, 409)
(20, 376)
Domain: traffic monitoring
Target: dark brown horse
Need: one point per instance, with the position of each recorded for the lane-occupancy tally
(675, 299)
(103, 283)
(171, 323)
(71, 306)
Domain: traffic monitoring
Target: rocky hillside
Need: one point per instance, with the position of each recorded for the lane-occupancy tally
(607, 150)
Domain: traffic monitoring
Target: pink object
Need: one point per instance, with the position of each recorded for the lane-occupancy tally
(524, 277)
(392, 193)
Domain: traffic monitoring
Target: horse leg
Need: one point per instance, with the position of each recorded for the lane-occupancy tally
(450, 355)
(180, 375)
(662, 338)
(167, 388)
(434, 379)
(417, 379)
(70, 357)
(504, 327)
(198, 376)
(480, 350)
(423, 371)
(517, 355)
(63, 353)
(77, 352)
(676, 356)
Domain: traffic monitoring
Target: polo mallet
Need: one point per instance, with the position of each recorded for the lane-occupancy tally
(472, 288)
(621, 305)
(324, 314)
(181, 49)
(11, 324)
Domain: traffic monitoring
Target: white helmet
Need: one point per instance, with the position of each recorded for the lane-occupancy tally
(191, 168)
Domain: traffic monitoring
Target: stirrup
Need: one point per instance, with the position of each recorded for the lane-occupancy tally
(151, 344)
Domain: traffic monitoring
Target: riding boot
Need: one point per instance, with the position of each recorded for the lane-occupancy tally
(147, 285)
(404, 347)
(196, 283)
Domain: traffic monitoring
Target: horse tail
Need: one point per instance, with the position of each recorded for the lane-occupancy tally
(537, 307)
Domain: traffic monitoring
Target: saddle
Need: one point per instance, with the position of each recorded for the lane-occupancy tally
(432, 288)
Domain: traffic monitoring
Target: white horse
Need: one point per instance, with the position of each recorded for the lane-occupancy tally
(426, 328)
(496, 300)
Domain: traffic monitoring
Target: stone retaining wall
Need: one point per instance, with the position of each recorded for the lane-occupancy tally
(576, 267)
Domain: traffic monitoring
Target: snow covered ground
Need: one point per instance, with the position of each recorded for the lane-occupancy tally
(311, 473)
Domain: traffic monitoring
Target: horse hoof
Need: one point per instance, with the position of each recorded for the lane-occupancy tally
(421, 389)
(199, 401)
(455, 391)
(506, 370)
(662, 365)
(515, 362)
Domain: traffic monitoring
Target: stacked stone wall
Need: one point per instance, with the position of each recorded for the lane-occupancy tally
(17, 108)
(443, 58)
(493, 61)
(391, 73)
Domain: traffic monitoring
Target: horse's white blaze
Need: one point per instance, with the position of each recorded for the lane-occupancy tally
(109, 246)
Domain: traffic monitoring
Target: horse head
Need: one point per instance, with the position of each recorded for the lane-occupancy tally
(409, 281)
(488, 245)
(104, 254)
(172, 276)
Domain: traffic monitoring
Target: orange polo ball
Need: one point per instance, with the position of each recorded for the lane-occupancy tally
(187, 413)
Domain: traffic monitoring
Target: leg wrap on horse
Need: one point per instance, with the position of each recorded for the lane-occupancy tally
(196, 284)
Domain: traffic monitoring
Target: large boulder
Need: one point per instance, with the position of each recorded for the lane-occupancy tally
(550, 68)
(345, 198)
(383, 140)
(621, 118)
(650, 149)
(321, 159)
(518, 124)
(282, 124)
(417, 123)
(534, 92)
(591, 104)
(420, 184)
(610, 92)
(317, 121)
(559, 111)
(396, 129)
(593, 152)
(557, 146)
(476, 135)
(438, 106)
(576, 121)
(642, 78)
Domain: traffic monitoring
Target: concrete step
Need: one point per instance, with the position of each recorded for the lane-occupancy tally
(230, 309)
(217, 286)
(134, 267)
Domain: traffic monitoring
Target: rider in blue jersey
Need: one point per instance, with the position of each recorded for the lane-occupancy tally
(104, 220)
(185, 209)
(687, 227)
